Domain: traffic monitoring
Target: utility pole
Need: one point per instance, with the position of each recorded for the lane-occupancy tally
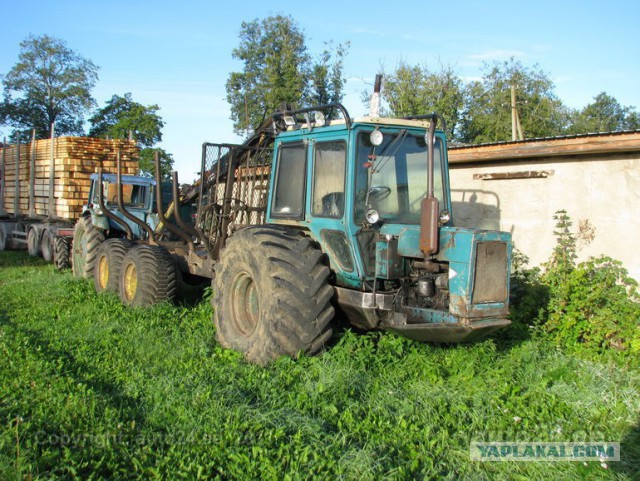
(374, 105)
(516, 127)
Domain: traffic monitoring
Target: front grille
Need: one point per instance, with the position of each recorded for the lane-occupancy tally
(490, 282)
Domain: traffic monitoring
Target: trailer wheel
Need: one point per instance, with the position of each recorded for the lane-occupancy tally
(86, 242)
(108, 264)
(148, 276)
(46, 245)
(3, 237)
(33, 242)
(271, 295)
(62, 253)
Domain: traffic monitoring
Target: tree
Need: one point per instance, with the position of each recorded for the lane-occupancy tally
(50, 84)
(414, 90)
(605, 114)
(277, 70)
(148, 165)
(487, 116)
(326, 80)
(122, 117)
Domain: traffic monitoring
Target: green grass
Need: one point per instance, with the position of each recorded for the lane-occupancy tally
(91, 390)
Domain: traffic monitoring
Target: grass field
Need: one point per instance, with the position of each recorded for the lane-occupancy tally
(92, 390)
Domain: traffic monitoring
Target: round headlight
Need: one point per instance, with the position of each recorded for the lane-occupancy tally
(372, 216)
(319, 118)
(376, 137)
(445, 216)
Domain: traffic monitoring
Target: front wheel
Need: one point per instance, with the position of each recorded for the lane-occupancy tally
(86, 242)
(272, 296)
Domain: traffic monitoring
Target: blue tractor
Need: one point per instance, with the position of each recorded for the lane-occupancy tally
(121, 210)
(312, 216)
(358, 218)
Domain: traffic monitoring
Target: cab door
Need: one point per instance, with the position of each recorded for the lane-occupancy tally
(327, 204)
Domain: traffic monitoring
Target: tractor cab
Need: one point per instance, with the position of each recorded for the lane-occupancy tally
(137, 198)
(375, 194)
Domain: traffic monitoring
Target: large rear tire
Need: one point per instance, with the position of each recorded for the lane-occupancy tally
(86, 242)
(108, 264)
(148, 276)
(271, 295)
(62, 254)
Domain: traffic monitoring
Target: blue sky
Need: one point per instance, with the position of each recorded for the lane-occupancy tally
(178, 54)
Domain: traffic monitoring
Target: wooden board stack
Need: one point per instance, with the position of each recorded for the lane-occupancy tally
(75, 159)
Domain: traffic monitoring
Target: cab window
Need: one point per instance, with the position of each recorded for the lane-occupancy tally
(289, 188)
(328, 179)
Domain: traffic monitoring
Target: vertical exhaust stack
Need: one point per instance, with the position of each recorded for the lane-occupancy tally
(107, 212)
(150, 234)
(374, 104)
(429, 208)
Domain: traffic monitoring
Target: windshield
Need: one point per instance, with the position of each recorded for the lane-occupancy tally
(392, 177)
(134, 196)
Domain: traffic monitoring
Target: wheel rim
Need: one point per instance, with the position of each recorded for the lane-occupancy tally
(103, 272)
(245, 303)
(130, 281)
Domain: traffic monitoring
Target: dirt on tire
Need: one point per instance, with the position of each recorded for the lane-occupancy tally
(271, 294)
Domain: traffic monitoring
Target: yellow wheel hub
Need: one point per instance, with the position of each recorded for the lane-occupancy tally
(103, 272)
(130, 281)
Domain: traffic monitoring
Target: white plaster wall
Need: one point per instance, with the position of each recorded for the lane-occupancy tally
(605, 191)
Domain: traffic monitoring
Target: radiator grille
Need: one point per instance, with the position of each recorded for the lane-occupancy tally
(490, 282)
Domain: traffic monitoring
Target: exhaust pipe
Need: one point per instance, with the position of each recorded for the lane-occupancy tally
(429, 208)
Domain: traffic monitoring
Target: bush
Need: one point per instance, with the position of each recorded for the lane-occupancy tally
(596, 310)
(593, 308)
(529, 297)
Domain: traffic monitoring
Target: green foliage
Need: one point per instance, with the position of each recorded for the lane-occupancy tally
(326, 82)
(487, 116)
(529, 297)
(605, 114)
(49, 83)
(414, 90)
(596, 311)
(92, 390)
(562, 261)
(121, 118)
(148, 166)
(594, 307)
(278, 70)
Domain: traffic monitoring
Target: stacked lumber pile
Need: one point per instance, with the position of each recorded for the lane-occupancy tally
(74, 159)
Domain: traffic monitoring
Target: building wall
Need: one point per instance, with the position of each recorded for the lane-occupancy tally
(601, 194)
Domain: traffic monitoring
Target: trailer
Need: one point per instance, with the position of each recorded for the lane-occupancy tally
(47, 187)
